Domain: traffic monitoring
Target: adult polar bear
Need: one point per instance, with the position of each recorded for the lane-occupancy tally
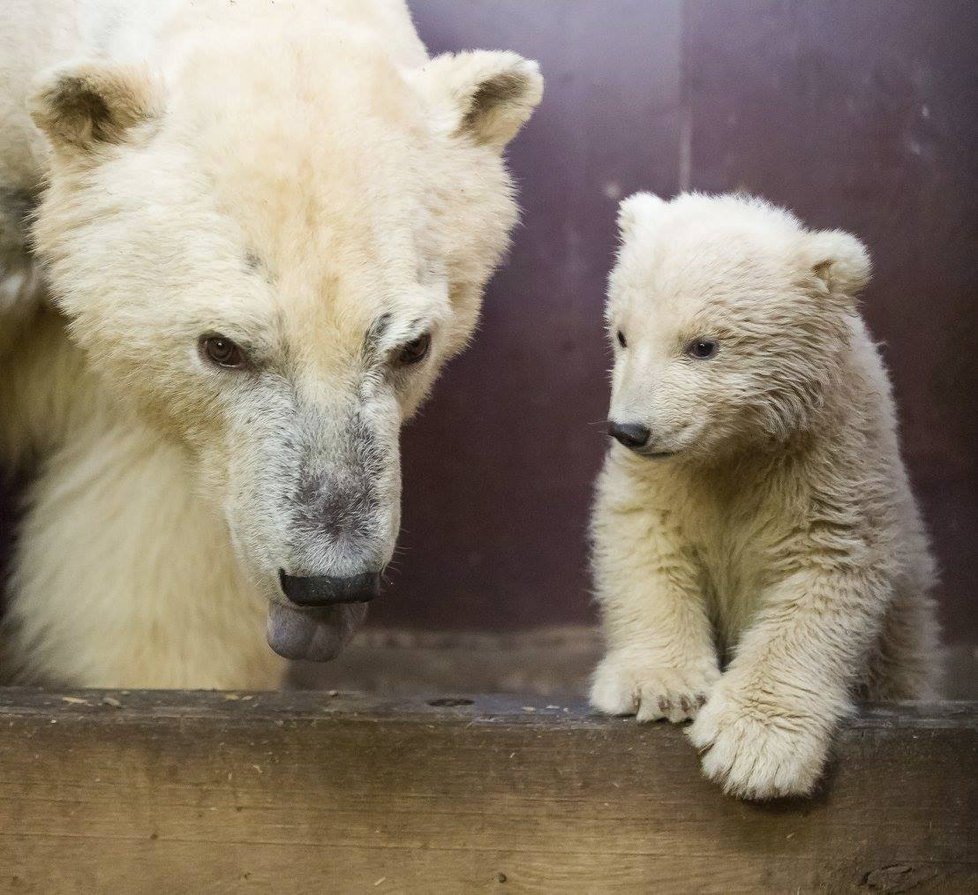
(266, 226)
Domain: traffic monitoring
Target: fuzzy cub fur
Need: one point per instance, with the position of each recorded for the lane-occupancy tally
(758, 554)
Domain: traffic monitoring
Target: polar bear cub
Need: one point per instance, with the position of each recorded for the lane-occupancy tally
(758, 555)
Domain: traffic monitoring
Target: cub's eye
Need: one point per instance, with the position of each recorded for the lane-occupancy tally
(220, 350)
(702, 349)
(415, 351)
(621, 339)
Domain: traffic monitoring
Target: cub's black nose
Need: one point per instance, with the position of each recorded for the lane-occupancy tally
(632, 435)
(325, 590)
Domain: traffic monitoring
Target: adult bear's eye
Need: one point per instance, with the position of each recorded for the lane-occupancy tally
(220, 350)
(703, 349)
(621, 339)
(415, 351)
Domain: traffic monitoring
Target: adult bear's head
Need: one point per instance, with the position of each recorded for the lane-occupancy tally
(269, 252)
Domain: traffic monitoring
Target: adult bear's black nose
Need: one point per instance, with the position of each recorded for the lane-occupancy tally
(326, 590)
(632, 435)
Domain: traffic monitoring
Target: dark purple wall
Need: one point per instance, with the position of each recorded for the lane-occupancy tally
(861, 115)
(858, 115)
(498, 468)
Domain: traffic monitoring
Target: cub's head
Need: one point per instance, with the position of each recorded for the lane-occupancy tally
(269, 254)
(728, 321)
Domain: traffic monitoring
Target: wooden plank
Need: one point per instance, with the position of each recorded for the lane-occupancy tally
(307, 793)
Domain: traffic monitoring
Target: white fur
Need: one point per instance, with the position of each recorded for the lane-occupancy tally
(297, 176)
(771, 562)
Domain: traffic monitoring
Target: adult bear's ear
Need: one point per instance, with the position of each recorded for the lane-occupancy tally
(839, 260)
(637, 211)
(84, 106)
(487, 96)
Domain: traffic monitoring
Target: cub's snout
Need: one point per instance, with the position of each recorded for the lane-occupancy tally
(632, 435)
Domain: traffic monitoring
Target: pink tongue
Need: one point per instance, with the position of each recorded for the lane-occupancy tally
(317, 635)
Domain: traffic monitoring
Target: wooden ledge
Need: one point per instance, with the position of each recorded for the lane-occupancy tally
(307, 792)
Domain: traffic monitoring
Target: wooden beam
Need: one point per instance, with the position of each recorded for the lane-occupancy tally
(161, 792)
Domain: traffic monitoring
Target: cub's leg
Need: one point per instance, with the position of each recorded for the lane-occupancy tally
(907, 662)
(767, 727)
(661, 661)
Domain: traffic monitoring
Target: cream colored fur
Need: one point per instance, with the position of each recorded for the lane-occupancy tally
(297, 176)
(770, 564)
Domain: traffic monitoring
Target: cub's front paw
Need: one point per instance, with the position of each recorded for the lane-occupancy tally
(630, 683)
(759, 752)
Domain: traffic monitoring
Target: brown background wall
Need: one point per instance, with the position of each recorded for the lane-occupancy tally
(862, 115)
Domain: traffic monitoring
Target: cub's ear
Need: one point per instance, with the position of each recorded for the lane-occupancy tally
(487, 96)
(839, 260)
(91, 104)
(638, 210)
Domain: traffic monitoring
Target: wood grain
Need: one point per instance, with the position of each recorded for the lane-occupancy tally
(311, 793)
